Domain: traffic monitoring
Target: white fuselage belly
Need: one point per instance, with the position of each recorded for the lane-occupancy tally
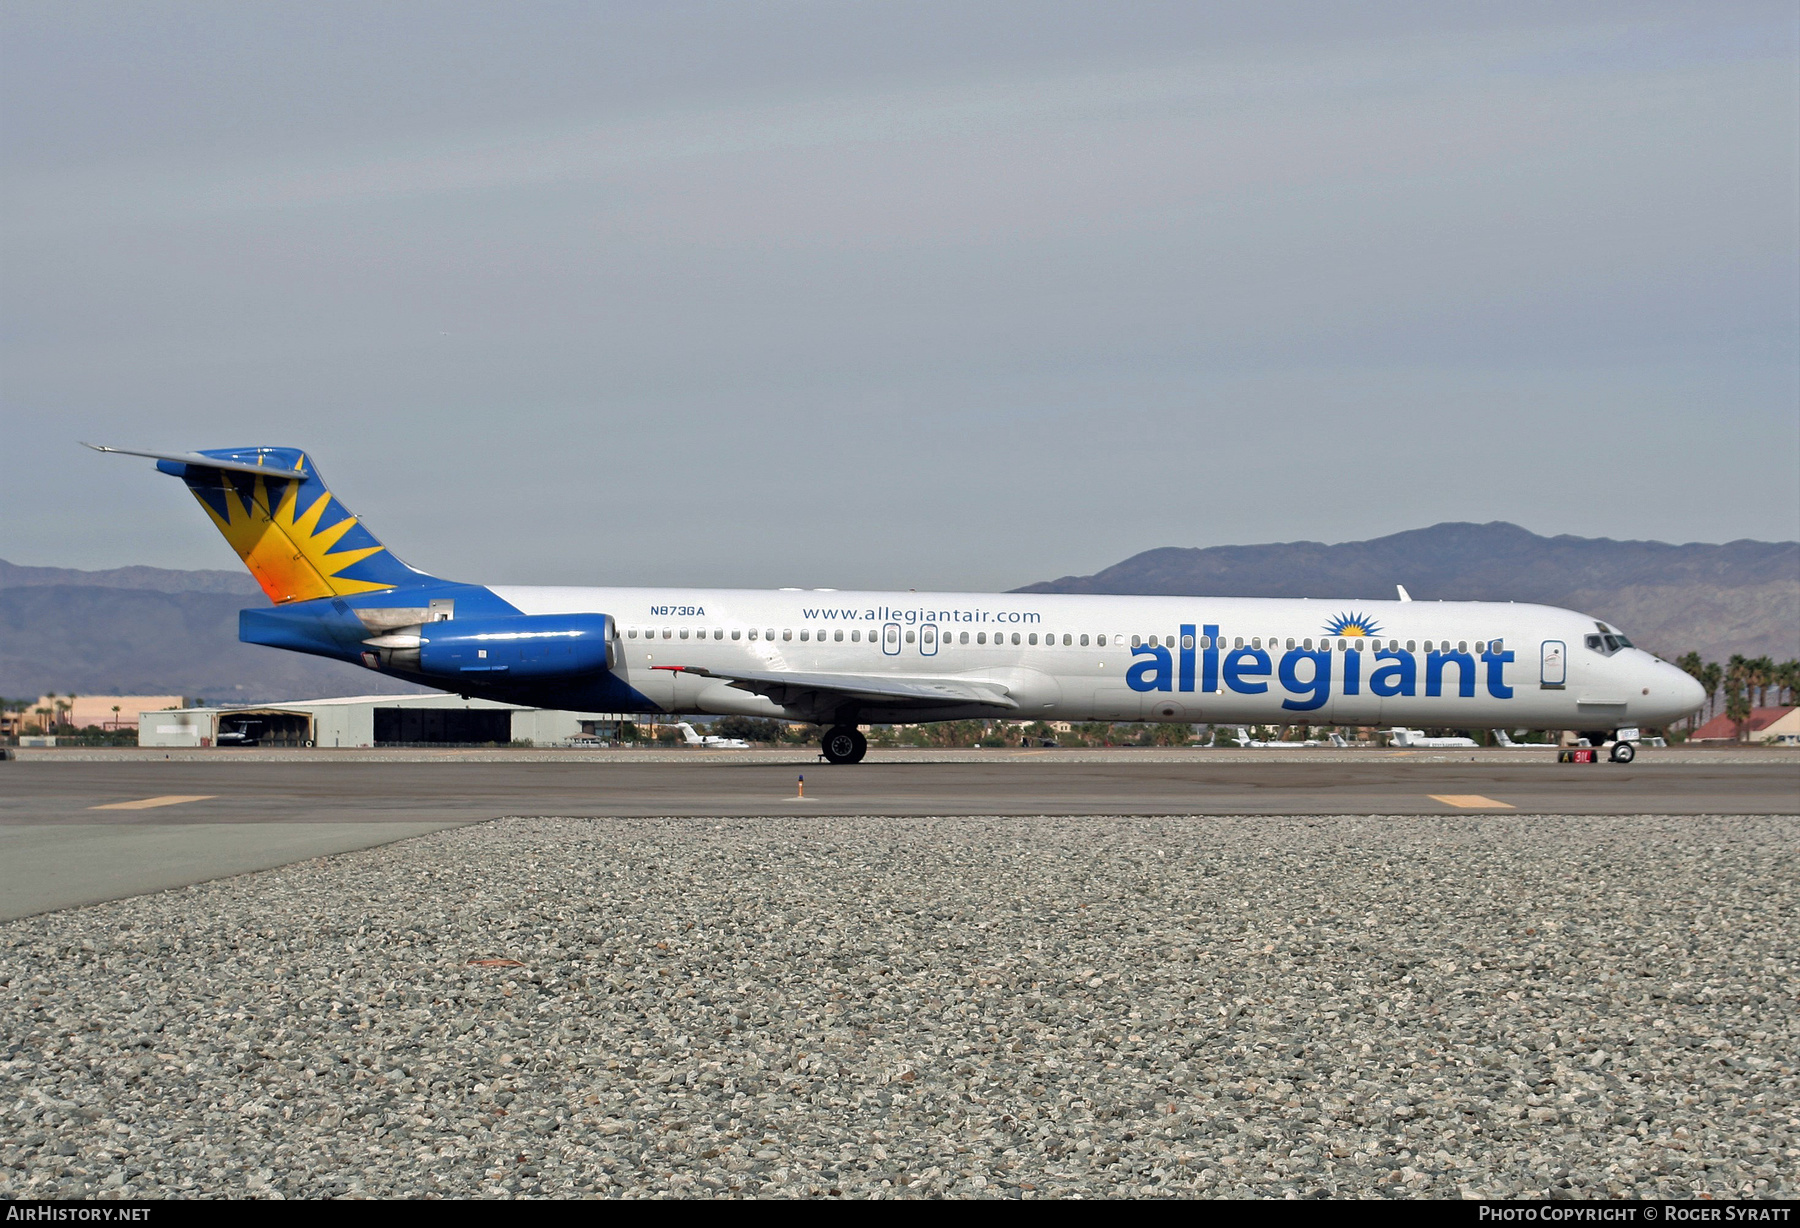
(1273, 678)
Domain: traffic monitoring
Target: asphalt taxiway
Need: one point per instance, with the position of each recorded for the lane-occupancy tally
(76, 831)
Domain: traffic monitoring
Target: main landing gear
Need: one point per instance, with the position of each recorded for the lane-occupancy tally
(844, 744)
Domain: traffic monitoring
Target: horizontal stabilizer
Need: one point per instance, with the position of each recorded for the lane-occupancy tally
(208, 462)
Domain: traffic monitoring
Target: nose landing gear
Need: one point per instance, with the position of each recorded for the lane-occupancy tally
(844, 744)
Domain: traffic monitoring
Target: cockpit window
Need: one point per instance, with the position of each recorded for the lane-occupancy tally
(1623, 642)
(1593, 641)
(1612, 642)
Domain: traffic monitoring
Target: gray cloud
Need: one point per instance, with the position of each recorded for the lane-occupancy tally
(892, 296)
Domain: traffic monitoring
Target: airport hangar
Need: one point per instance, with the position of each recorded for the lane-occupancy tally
(380, 720)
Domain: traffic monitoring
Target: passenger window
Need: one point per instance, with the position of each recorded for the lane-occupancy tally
(910, 637)
(1187, 641)
(1084, 641)
(856, 637)
(1290, 641)
(668, 634)
(1255, 642)
(738, 634)
(787, 633)
(769, 633)
(1496, 646)
(837, 637)
(1100, 640)
(1409, 646)
(1462, 645)
(1308, 645)
(964, 638)
(753, 633)
(981, 637)
(1032, 639)
(1015, 638)
(632, 634)
(684, 631)
(1480, 647)
(803, 633)
(1344, 647)
(1136, 642)
(1239, 642)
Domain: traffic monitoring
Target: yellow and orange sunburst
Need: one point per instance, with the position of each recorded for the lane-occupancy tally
(1352, 625)
(287, 551)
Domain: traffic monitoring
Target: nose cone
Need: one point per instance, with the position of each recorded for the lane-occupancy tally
(1672, 692)
(1692, 693)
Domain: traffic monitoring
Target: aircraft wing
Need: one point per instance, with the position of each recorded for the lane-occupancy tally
(794, 689)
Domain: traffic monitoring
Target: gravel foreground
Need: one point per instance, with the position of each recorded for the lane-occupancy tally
(1467, 1005)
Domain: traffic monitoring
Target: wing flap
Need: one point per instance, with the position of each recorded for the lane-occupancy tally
(885, 688)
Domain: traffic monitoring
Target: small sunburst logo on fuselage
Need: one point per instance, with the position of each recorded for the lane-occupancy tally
(1353, 624)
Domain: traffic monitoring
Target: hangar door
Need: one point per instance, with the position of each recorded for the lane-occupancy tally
(441, 726)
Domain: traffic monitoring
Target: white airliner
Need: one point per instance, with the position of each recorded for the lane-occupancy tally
(708, 740)
(842, 659)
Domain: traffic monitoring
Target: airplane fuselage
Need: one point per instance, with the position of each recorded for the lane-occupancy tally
(1125, 658)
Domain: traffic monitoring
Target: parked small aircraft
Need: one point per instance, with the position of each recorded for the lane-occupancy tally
(710, 741)
(1416, 739)
(1244, 740)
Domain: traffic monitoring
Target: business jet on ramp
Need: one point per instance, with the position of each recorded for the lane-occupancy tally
(1244, 741)
(842, 659)
(1415, 738)
(710, 741)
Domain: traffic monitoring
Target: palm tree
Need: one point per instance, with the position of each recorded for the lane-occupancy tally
(1737, 707)
(1762, 674)
(1787, 679)
(1712, 677)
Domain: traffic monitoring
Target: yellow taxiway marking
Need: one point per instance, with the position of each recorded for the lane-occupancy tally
(151, 803)
(1470, 801)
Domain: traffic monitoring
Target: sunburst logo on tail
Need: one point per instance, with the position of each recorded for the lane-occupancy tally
(1352, 624)
(294, 536)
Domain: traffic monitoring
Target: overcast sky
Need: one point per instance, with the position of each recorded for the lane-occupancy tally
(899, 295)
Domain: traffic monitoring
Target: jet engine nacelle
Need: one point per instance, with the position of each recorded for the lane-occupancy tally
(535, 647)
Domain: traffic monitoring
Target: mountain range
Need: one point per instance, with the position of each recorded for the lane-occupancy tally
(148, 630)
(152, 631)
(1739, 597)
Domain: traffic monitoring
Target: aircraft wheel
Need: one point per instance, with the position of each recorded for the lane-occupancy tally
(844, 744)
(1623, 752)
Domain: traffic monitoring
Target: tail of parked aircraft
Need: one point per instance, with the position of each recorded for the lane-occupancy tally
(688, 735)
(272, 505)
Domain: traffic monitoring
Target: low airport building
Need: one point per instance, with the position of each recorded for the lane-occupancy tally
(377, 720)
(1777, 725)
